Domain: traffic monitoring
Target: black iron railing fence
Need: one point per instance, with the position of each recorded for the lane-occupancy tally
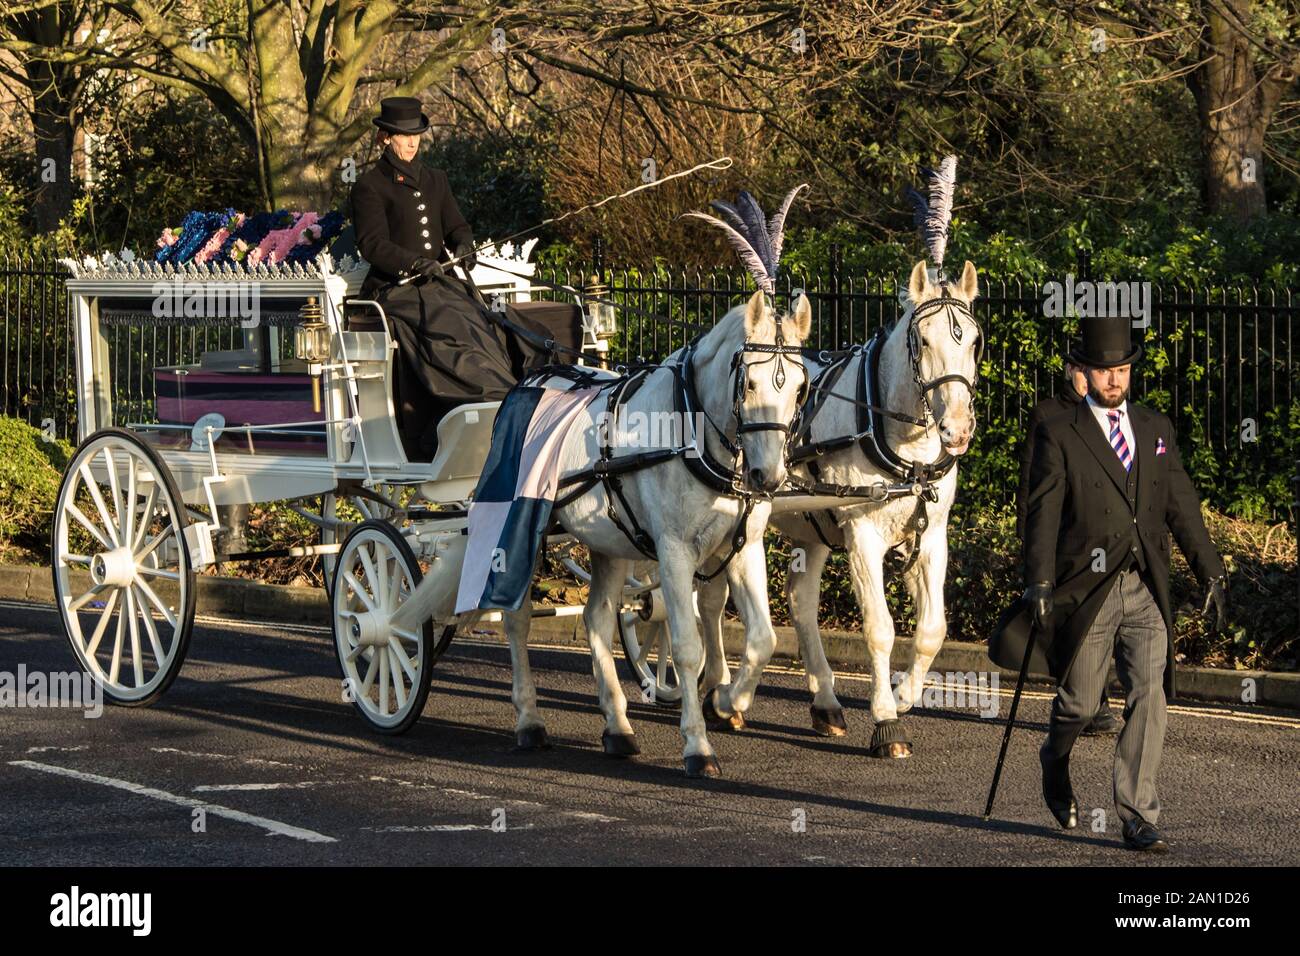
(1217, 360)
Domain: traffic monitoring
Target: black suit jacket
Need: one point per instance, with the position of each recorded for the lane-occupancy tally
(1078, 505)
(399, 220)
(1064, 401)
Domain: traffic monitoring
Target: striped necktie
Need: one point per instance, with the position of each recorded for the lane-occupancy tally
(1117, 440)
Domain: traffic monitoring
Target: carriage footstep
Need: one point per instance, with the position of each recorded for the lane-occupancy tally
(702, 765)
(889, 741)
(715, 720)
(532, 738)
(828, 721)
(619, 745)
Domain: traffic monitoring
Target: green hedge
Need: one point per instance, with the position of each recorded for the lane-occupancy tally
(31, 467)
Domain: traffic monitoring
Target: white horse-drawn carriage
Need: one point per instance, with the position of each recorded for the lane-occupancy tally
(296, 404)
(193, 406)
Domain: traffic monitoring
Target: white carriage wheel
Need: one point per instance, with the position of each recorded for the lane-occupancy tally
(647, 646)
(122, 576)
(331, 532)
(386, 670)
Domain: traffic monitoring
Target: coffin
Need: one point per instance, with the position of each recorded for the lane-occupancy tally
(185, 393)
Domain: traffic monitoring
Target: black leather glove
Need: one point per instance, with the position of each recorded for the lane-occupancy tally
(468, 259)
(1039, 598)
(1217, 595)
(425, 268)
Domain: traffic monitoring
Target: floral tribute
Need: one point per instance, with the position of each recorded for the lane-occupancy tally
(230, 237)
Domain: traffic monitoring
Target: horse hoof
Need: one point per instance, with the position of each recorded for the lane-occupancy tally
(619, 745)
(531, 738)
(828, 721)
(889, 742)
(715, 720)
(700, 765)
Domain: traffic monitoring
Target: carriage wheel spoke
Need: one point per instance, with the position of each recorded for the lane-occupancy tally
(116, 666)
(78, 603)
(383, 682)
(395, 589)
(137, 658)
(159, 573)
(399, 689)
(104, 618)
(151, 629)
(371, 574)
(397, 651)
(85, 522)
(369, 678)
(76, 559)
(358, 590)
(97, 497)
(168, 616)
(661, 672)
(406, 635)
(381, 585)
(128, 531)
(115, 488)
(354, 651)
(146, 516)
(152, 546)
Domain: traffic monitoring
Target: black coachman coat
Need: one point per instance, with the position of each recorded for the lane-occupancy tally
(1081, 499)
(1062, 401)
(459, 351)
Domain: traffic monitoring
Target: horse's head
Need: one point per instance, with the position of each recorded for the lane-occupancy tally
(770, 386)
(751, 380)
(944, 344)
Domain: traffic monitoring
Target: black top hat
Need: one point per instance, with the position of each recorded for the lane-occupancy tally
(1107, 342)
(401, 114)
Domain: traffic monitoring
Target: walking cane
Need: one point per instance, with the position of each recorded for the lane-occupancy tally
(1011, 722)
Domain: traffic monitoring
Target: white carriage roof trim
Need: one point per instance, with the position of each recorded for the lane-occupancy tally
(110, 266)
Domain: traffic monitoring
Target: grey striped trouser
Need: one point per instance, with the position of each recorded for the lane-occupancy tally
(1130, 628)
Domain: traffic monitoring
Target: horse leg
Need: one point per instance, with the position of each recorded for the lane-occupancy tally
(600, 616)
(711, 599)
(677, 576)
(925, 584)
(747, 575)
(866, 549)
(803, 591)
(530, 730)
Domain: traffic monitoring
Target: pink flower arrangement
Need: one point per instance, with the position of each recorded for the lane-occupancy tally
(168, 238)
(280, 242)
(214, 244)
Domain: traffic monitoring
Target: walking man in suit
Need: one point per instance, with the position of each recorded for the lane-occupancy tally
(1104, 724)
(1105, 484)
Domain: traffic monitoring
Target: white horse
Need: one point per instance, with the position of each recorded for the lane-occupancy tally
(927, 370)
(748, 377)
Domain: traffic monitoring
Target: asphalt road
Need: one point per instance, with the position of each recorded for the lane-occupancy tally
(255, 730)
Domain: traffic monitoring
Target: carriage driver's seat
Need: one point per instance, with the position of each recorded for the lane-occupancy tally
(418, 411)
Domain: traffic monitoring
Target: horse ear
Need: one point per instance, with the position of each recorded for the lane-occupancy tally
(919, 284)
(970, 285)
(802, 318)
(755, 313)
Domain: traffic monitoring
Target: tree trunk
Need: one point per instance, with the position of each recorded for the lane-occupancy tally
(1235, 106)
(54, 131)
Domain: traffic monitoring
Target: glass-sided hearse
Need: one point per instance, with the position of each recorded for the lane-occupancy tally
(204, 390)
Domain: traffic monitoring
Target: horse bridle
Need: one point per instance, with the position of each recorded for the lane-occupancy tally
(740, 371)
(958, 309)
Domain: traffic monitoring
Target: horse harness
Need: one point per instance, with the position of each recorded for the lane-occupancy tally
(609, 470)
(919, 479)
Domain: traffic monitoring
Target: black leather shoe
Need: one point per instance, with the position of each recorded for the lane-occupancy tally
(1140, 835)
(1057, 792)
(1104, 724)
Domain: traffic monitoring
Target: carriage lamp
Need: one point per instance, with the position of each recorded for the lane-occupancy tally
(601, 323)
(311, 343)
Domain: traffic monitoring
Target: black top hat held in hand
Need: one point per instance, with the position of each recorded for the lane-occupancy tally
(1107, 342)
(401, 114)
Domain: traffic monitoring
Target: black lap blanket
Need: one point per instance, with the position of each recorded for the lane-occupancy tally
(459, 349)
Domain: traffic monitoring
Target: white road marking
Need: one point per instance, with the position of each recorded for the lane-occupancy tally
(41, 750)
(444, 828)
(253, 760)
(273, 827)
(217, 787)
